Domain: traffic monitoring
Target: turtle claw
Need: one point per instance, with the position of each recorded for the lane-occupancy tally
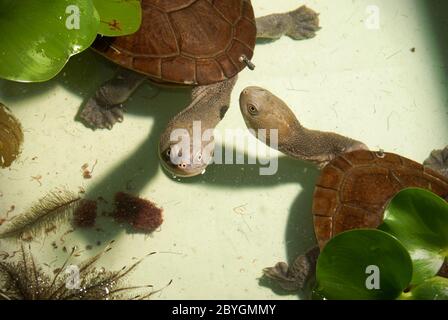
(118, 113)
(304, 24)
(280, 270)
(99, 117)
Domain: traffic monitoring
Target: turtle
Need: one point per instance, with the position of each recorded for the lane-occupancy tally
(355, 184)
(202, 44)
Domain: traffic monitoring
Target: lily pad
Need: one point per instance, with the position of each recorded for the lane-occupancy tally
(432, 289)
(38, 37)
(363, 264)
(119, 17)
(419, 219)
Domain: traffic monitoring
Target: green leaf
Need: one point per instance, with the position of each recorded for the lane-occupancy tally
(433, 289)
(38, 37)
(119, 17)
(344, 268)
(419, 219)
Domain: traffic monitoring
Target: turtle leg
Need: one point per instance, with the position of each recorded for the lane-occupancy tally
(295, 277)
(105, 108)
(438, 161)
(298, 24)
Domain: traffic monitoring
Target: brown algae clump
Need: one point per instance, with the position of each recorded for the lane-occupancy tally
(141, 214)
(85, 215)
(11, 137)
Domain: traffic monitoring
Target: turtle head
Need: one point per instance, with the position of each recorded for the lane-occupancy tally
(184, 157)
(263, 110)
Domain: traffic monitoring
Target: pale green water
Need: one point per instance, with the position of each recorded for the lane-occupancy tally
(223, 228)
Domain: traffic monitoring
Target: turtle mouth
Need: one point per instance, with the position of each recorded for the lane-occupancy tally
(180, 173)
(175, 171)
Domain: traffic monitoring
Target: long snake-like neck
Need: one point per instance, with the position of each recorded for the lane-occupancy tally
(262, 109)
(209, 105)
(316, 146)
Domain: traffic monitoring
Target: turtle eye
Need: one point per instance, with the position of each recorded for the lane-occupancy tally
(252, 109)
(168, 152)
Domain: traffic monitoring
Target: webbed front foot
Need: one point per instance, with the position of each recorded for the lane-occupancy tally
(438, 161)
(100, 117)
(284, 278)
(296, 276)
(304, 23)
(299, 24)
(105, 108)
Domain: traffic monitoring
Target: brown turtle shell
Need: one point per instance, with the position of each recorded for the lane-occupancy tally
(354, 189)
(189, 42)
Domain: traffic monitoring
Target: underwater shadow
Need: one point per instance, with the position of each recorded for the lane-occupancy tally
(299, 230)
(138, 169)
(81, 75)
(437, 11)
(141, 165)
(266, 41)
(299, 236)
(437, 15)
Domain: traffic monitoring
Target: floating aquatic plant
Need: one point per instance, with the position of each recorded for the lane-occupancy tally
(11, 137)
(419, 219)
(38, 37)
(118, 17)
(347, 260)
(26, 280)
(50, 210)
(403, 258)
(432, 289)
